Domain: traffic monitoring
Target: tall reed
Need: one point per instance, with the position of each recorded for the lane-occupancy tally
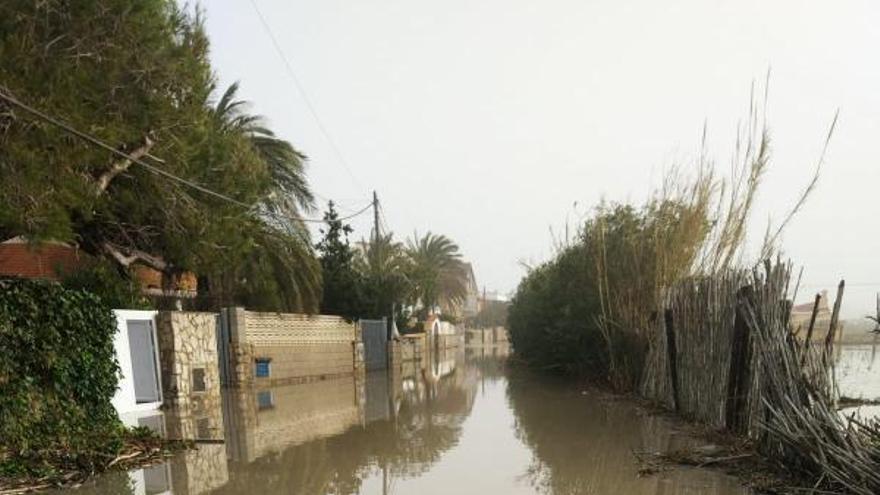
(695, 225)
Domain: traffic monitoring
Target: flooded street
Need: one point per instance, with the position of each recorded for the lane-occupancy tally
(459, 420)
(470, 424)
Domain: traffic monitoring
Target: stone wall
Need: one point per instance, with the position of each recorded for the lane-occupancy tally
(200, 471)
(190, 367)
(394, 354)
(412, 348)
(407, 352)
(358, 348)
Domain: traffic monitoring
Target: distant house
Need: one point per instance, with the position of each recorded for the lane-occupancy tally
(805, 310)
(469, 307)
(800, 319)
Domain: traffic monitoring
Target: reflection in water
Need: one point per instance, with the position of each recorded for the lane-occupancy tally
(463, 423)
(408, 423)
(584, 444)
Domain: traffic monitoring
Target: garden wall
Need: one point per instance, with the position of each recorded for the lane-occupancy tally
(278, 348)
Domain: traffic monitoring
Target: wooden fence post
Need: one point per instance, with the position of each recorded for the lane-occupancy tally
(739, 375)
(832, 326)
(672, 357)
(809, 340)
(835, 316)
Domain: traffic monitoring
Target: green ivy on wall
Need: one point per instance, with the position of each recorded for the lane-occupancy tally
(58, 370)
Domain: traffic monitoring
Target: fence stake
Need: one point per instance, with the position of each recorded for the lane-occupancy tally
(835, 315)
(740, 361)
(809, 341)
(672, 357)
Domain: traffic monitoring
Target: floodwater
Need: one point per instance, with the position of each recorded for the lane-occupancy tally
(857, 370)
(467, 424)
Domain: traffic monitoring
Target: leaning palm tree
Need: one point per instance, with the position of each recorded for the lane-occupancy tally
(289, 194)
(438, 274)
(281, 261)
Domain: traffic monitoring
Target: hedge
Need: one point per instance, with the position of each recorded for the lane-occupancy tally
(58, 369)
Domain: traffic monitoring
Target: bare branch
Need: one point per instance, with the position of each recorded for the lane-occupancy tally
(134, 255)
(118, 167)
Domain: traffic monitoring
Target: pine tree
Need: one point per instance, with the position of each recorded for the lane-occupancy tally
(136, 75)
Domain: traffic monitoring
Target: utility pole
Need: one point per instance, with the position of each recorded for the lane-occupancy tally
(375, 219)
(377, 257)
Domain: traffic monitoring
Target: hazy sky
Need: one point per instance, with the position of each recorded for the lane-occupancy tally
(487, 120)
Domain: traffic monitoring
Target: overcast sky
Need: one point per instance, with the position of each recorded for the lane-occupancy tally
(488, 120)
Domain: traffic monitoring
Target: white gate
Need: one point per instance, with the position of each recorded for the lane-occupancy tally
(143, 350)
(375, 336)
(136, 347)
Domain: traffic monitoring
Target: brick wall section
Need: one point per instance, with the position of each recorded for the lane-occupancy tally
(286, 328)
(47, 260)
(300, 348)
(300, 363)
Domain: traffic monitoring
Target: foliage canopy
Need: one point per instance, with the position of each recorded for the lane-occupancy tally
(136, 75)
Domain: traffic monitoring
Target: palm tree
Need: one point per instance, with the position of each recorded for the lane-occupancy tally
(281, 270)
(385, 267)
(438, 274)
(289, 194)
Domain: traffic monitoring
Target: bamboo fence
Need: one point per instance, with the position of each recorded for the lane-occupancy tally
(721, 352)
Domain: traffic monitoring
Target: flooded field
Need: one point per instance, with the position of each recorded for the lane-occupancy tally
(858, 376)
(467, 424)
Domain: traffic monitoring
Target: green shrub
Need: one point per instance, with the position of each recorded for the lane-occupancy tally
(58, 370)
(551, 318)
(587, 310)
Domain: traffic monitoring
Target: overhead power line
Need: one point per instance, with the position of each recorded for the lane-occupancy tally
(342, 205)
(359, 212)
(153, 169)
(386, 229)
(302, 91)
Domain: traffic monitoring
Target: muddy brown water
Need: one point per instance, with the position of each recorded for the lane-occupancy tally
(467, 424)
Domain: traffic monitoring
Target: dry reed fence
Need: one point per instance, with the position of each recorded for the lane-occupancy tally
(737, 367)
(699, 315)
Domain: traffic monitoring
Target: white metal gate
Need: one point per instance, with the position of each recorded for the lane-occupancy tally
(375, 337)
